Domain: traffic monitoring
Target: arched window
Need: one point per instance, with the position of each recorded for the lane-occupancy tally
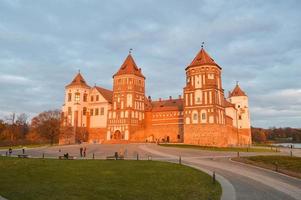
(85, 97)
(84, 110)
(69, 97)
(77, 97)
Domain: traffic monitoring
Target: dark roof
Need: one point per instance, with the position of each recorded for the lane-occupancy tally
(237, 91)
(78, 81)
(129, 67)
(202, 58)
(107, 94)
(167, 105)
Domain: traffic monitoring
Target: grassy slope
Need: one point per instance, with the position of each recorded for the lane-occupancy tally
(100, 179)
(235, 149)
(286, 164)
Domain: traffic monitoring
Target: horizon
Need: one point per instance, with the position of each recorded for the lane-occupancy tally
(44, 45)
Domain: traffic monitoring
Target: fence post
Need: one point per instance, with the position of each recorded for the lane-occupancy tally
(291, 153)
(93, 156)
(213, 177)
(180, 160)
(238, 154)
(43, 156)
(137, 156)
(276, 166)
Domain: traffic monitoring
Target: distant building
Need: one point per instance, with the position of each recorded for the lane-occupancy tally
(203, 116)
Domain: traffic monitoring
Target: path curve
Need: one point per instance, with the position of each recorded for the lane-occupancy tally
(228, 191)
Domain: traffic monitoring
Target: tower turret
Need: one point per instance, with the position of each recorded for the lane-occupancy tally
(127, 113)
(204, 110)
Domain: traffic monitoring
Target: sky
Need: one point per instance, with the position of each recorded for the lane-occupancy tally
(43, 44)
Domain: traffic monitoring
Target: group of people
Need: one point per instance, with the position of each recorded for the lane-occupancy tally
(82, 151)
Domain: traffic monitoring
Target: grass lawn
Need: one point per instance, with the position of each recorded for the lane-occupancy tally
(102, 179)
(286, 164)
(235, 149)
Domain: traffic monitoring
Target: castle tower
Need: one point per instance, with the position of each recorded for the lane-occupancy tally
(239, 98)
(204, 112)
(75, 110)
(127, 113)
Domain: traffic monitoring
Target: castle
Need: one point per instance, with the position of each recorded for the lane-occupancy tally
(201, 116)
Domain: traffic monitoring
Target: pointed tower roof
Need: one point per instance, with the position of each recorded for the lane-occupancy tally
(237, 91)
(78, 81)
(202, 58)
(129, 67)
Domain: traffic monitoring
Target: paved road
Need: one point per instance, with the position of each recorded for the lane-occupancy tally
(239, 181)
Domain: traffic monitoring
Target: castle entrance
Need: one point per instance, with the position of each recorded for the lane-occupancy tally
(117, 135)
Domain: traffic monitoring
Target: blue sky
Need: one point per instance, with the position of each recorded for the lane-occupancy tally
(258, 43)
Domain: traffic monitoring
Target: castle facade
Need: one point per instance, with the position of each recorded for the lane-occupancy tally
(201, 116)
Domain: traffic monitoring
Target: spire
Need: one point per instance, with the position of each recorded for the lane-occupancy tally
(202, 58)
(129, 67)
(237, 91)
(78, 81)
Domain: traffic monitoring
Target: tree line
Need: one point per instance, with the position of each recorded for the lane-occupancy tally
(261, 135)
(18, 130)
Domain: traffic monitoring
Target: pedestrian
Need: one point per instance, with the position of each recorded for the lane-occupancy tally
(81, 151)
(23, 151)
(10, 151)
(85, 149)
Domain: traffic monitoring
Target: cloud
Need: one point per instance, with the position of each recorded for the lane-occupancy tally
(44, 43)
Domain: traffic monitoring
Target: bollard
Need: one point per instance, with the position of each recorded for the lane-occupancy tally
(93, 156)
(43, 156)
(137, 156)
(276, 166)
(213, 177)
(180, 160)
(291, 153)
(238, 154)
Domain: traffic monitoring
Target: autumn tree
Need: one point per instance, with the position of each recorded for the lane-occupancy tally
(47, 125)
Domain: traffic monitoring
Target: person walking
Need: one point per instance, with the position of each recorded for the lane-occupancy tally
(10, 151)
(23, 151)
(85, 149)
(81, 151)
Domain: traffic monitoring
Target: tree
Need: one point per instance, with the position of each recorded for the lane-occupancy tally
(47, 125)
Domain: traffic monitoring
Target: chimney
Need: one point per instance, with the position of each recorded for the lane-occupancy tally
(170, 98)
(180, 96)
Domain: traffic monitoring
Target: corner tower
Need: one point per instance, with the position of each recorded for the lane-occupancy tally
(74, 111)
(241, 101)
(204, 111)
(127, 113)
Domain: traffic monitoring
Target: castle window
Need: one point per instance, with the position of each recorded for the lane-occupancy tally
(97, 97)
(178, 136)
(102, 111)
(238, 106)
(195, 116)
(69, 97)
(84, 110)
(210, 76)
(96, 111)
(85, 97)
(203, 116)
(77, 97)
(91, 112)
(92, 98)
(239, 117)
(69, 111)
(198, 99)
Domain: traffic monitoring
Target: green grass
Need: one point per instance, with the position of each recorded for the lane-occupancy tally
(286, 164)
(102, 179)
(208, 148)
